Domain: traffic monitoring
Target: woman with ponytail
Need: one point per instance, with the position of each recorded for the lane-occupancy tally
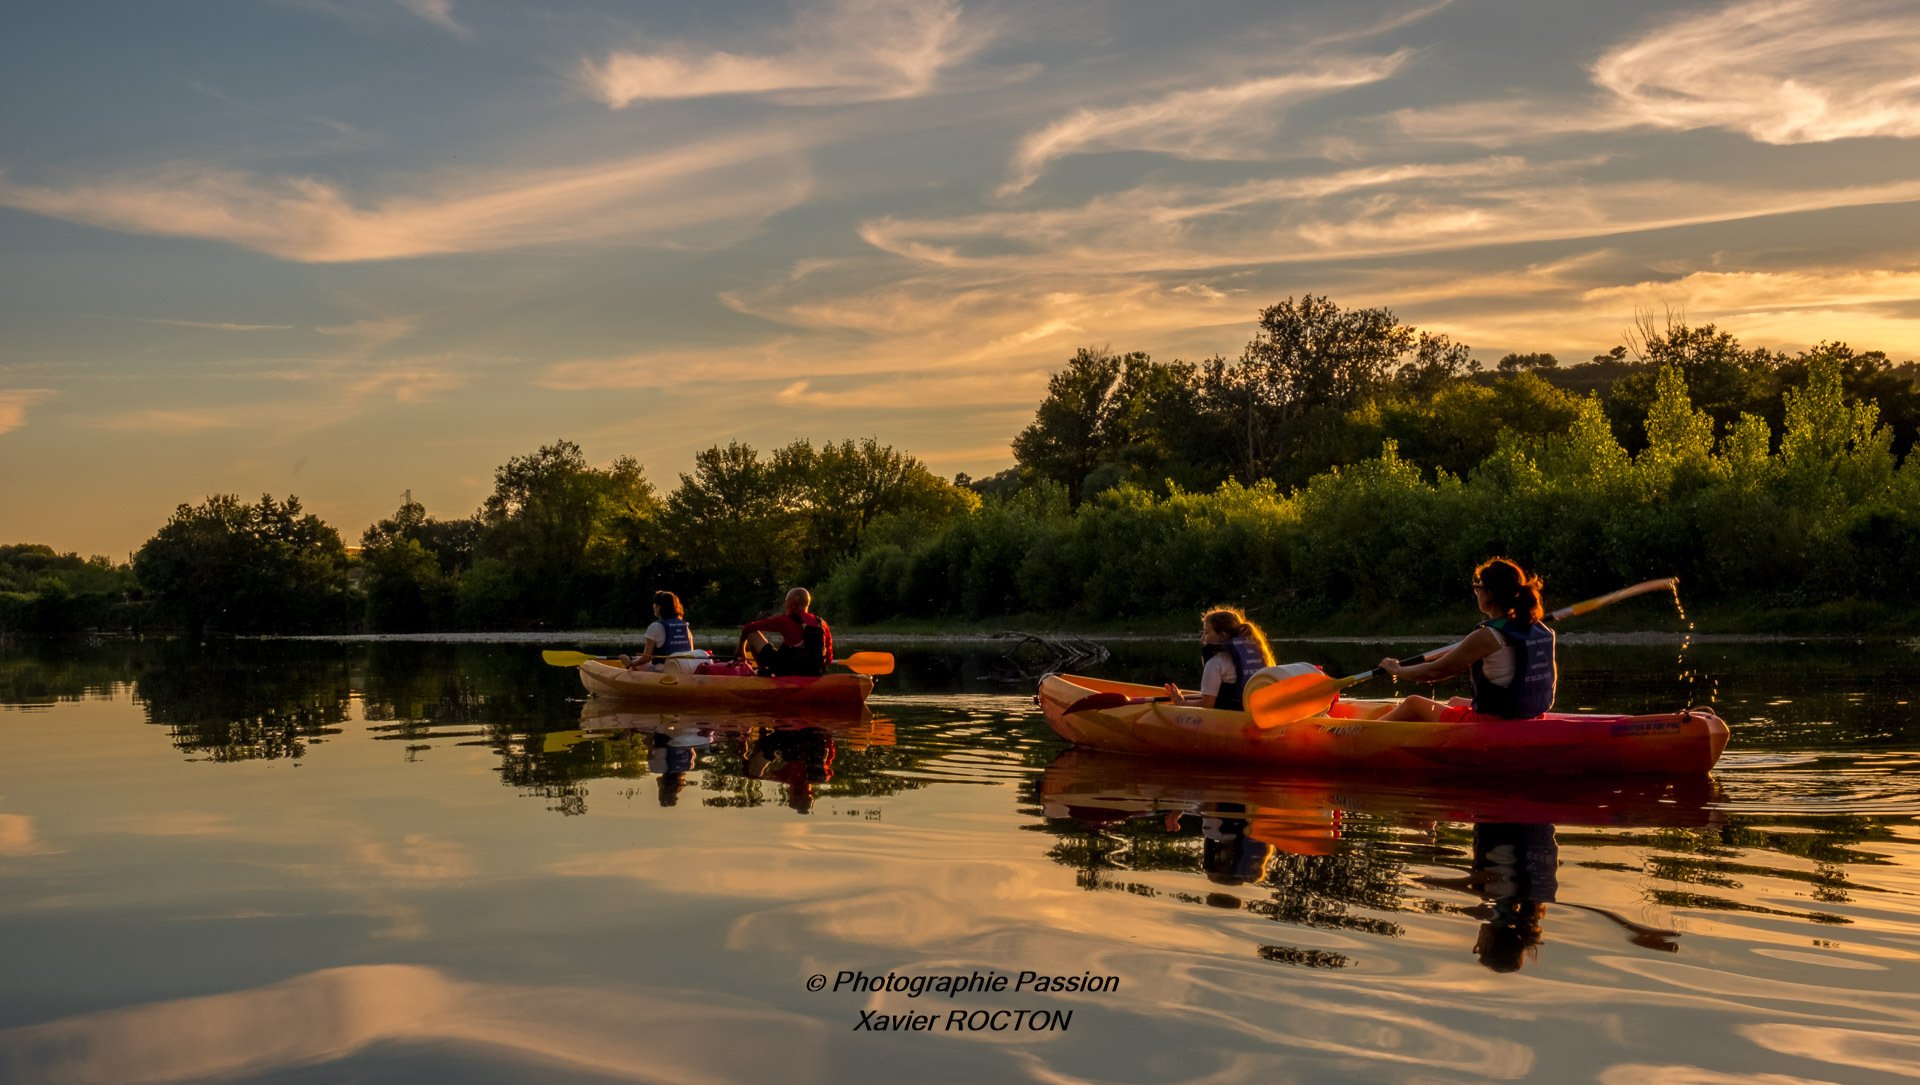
(1231, 649)
(1509, 659)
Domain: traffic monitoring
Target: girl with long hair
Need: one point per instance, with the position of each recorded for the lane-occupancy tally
(1232, 648)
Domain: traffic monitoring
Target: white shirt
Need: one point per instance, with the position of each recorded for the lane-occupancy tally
(1498, 667)
(1219, 669)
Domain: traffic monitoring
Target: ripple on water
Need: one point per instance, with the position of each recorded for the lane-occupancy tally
(1821, 783)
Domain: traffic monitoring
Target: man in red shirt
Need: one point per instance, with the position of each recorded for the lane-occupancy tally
(806, 643)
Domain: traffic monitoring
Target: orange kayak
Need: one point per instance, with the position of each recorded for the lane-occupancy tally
(721, 690)
(1351, 735)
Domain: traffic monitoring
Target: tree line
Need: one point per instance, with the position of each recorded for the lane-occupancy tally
(1346, 463)
(1343, 462)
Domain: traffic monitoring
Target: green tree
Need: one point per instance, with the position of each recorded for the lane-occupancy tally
(743, 516)
(1124, 416)
(246, 568)
(556, 529)
(1309, 358)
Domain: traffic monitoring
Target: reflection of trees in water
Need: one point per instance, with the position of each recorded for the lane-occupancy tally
(49, 671)
(1693, 861)
(245, 705)
(409, 689)
(558, 776)
(1328, 890)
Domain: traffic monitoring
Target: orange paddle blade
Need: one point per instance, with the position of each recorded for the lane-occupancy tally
(868, 662)
(1291, 699)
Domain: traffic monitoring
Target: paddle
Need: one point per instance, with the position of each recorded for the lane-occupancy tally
(1101, 701)
(1306, 695)
(878, 663)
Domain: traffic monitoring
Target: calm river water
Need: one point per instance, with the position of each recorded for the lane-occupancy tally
(325, 862)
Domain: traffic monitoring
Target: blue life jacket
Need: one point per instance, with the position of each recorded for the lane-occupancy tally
(679, 637)
(1535, 674)
(1246, 660)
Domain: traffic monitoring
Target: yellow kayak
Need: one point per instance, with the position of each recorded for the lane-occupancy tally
(610, 679)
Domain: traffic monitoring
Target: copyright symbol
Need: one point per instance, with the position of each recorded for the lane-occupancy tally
(816, 982)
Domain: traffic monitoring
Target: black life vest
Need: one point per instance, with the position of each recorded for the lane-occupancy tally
(1246, 660)
(1535, 674)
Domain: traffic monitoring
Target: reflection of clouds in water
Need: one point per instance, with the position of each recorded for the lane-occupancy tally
(1198, 981)
(174, 823)
(333, 1014)
(18, 837)
(925, 901)
(1880, 1051)
(417, 858)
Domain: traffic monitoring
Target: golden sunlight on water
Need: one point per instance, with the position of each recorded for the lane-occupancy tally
(443, 863)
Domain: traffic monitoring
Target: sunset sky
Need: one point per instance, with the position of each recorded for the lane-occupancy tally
(347, 248)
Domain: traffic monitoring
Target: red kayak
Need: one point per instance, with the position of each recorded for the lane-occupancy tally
(1351, 735)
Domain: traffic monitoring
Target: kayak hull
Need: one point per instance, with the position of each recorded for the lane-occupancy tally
(1349, 735)
(613, 680)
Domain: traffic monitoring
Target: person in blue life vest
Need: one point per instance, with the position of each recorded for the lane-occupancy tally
(1231, 649)
(1509, 659)
(806, 642)
(668, 635)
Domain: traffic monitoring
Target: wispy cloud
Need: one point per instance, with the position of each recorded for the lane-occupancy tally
(164, 420)
(16, 402)
(1720, 294)
(846, 51)
(1779, 71)
(914, 392)
(331, 391)
(371, 334)
(437, 12)
(1782, 71)
(1224, 122)
(668, 197)
(214, 325)
(1368, 212)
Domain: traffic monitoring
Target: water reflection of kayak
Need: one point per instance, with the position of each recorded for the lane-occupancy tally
(852, 726)
(1351, 735)
(1297, 812)
(613, 680)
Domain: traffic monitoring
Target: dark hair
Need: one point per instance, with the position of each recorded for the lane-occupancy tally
(1230, 622)
(669, 605)
(1510, 588)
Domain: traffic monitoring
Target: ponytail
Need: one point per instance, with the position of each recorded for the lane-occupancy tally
(1514, 592)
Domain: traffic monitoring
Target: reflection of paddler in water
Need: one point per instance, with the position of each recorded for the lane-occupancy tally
(671, 757)
(1228, 852)
(799, 758)
(1516, 866)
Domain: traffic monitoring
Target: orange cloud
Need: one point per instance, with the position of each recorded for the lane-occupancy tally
(664, 197)
(15, 402)
(849, 51)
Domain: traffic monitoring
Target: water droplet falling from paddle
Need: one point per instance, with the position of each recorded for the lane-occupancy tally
(1687, 674)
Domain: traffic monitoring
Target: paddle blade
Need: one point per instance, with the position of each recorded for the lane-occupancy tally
(1094, 702)
(1588, 606)
(1291, 699)
(868, 662)
(565, 659)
